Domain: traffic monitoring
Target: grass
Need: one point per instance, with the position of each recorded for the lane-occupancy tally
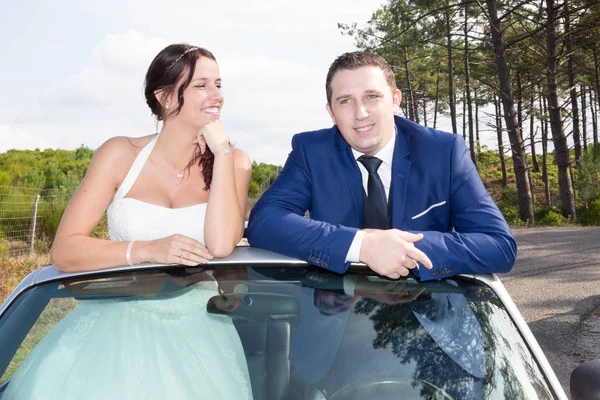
(13, 270)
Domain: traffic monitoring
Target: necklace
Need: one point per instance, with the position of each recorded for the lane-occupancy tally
(179, 171)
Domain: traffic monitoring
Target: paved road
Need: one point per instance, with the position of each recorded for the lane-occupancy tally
(556, 285)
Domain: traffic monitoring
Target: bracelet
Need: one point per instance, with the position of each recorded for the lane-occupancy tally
(128, 253)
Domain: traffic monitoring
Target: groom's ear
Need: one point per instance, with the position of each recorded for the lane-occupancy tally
(328, 108)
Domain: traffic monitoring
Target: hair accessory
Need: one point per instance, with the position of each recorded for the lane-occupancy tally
(192, 48)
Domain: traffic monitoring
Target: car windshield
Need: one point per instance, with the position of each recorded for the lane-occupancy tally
(305, 333)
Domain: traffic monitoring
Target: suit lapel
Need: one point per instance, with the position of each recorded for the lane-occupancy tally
(400, 174)
(352, 175)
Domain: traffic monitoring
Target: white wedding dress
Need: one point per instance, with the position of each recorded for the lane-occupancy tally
(164, 347)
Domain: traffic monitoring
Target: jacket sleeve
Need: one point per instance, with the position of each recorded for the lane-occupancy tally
(277, 221)
(481, 241)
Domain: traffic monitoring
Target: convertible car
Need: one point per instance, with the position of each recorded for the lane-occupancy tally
(306, 333)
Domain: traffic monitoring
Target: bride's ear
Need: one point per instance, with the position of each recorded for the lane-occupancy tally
(163, 98)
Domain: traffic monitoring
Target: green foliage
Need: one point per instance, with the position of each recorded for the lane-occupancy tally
(262, 172)
(262, 176)
(588, 176)
(50, 216)
(511, 214)
(101, 230)
(510, 197)
(48, 169)
(591, 216)
(253, 188)
(552, 218)
(84, 153)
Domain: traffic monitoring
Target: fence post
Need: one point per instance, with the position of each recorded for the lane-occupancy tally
(33, 221)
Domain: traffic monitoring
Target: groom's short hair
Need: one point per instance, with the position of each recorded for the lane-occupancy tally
(355, 60)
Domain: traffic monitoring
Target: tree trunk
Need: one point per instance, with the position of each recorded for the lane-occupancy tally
(573, 90)
(424, 112)
(451, 99)
(464, 118)
(594, 122)
(498, 107)
(544, 110)
(584, 118)
(561, 148)
(519, 104)
(597, 68)
(469, 101)
(526, 211)
(534, 161)
(410, 101)
(596, 147)
(477, 121)
(437, 97)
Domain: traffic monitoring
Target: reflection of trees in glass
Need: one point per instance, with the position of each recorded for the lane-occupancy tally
(397, 327)
(505, 355)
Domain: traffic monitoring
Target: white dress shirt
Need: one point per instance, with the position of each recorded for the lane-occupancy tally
(386, 155)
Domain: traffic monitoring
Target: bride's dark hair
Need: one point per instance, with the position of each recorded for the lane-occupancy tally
(169, 67)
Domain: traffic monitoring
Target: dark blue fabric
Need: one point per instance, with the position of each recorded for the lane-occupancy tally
(435, 190)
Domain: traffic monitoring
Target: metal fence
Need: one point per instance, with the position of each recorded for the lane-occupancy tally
(28, 215)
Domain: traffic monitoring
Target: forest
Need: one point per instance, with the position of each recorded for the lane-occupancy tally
(523, 75)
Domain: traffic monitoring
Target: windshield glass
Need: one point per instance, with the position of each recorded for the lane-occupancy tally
(290, 332)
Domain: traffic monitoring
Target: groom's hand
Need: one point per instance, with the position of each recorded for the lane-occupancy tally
(392, 252)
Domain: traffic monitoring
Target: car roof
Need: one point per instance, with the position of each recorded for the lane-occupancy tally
(241, 256)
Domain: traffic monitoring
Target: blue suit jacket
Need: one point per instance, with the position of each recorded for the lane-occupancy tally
(464, 233)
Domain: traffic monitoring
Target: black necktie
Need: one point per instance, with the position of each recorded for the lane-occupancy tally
(376, 215)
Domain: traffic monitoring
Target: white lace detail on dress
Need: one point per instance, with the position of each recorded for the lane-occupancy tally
(80, 331)
(240, 377)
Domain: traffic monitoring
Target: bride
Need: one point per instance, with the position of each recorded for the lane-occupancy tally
(177, 197)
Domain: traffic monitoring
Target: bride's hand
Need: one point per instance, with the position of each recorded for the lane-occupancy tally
(212, 135)
(178, 249)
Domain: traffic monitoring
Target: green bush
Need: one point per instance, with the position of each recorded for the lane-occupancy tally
(552, 218)
(253, 188)
(591, 216)
(511, 214)
(50, 215)
(510, 198)
(542, 211)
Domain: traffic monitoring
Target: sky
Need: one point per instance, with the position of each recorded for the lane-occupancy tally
(72, 71)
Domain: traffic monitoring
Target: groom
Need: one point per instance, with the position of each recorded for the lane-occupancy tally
(380, 189)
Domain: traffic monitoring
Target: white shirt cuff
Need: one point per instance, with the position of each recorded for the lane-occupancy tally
(354, 250)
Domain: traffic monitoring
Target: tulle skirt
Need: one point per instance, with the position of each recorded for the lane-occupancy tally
(164, 347)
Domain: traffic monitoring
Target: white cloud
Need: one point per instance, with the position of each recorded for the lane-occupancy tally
(14, 138)
(273, 57)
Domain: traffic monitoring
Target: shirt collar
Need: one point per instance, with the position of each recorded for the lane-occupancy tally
(386, 154)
